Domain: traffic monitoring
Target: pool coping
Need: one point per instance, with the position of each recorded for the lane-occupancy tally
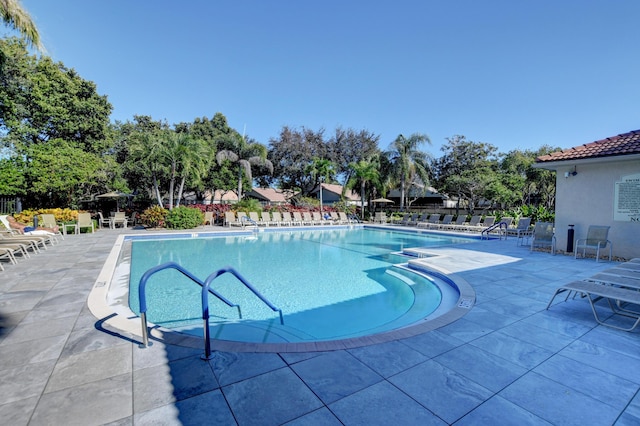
(131, 324)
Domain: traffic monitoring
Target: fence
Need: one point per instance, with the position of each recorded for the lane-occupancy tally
(8, 204)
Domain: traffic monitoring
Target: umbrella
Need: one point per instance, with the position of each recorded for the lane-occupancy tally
(382, 200)
(116, 195)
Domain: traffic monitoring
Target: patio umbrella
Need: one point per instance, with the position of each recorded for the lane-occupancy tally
(114, 195)
(382, 200)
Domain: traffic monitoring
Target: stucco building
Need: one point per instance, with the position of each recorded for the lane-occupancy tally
(598, 183)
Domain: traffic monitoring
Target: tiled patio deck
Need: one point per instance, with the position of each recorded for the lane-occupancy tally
(508, 361)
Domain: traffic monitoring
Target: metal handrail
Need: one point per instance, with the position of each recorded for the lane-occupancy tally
(248, 219)
(206, 289)
(493, 227)
(142, 296)
(205, 302)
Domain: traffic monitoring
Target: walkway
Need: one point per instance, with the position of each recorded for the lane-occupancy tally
(509, 361)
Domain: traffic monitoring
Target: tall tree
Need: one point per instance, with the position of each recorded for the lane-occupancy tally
(408, 160)
(363, 173)
(245, 153)
(321, 170)
(16, 17)
(467, 169)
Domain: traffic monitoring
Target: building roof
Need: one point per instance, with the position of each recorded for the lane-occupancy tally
(270, 194)
(337, 189)
(623, 144)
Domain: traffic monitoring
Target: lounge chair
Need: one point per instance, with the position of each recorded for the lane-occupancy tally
(458, 224)
(36, 239)
(278, 220)
(306, 218)
(614, 295)
(230, 219)
(255, 219)
(446, 221)
(319, 220)
(543, 236)
(473, 224)
(343, 218)
(265, 217)
(596, 240)
(49, 221)
(208, 219)
(7, 253)
(85, 221)
(286, 217)
(335, 217)
(430, 221)
(521, 231)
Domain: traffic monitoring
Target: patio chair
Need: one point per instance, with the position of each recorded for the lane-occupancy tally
(458, 224)
(522, 230)
(265, 217)
(286, 217)
(473, 224)
(380, 217)
(429, 221)
(119, 218)
(255, 219)
(103, 222)
(276, 219)
(84, 221)
(230, 219)
(596, 240)
(544, 236)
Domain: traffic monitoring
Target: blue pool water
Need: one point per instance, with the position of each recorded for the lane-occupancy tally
(329, 284)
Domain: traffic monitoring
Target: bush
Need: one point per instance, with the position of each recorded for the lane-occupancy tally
(248, 205)
(154, 216)
(184, 218)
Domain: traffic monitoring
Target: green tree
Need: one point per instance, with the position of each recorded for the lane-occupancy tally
(17, 18)
(408, 162)
(321, 170)
(245, 153)
(363, 173)
(467, 170)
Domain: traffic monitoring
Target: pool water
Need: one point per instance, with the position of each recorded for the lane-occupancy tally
(329, 284)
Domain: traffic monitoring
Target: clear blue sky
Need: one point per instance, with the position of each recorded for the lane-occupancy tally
(516, 74)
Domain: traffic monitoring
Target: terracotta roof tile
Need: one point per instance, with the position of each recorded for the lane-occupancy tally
(623, 144)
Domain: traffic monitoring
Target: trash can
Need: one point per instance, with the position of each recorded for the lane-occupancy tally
(570, 234)
(35, 222)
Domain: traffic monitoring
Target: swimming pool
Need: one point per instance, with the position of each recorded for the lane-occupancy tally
(330, 284)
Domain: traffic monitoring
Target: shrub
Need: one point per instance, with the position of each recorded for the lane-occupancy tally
(154, 216)
(184, 218)
(248, 205)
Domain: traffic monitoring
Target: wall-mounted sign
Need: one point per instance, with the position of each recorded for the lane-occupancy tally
(627, 199)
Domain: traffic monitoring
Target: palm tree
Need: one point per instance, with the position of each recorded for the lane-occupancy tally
(16, 17)
(246, 154)
(364, 172)
(322, 170)
(407, 161)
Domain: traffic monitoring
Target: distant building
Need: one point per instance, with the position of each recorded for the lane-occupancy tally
(598, 183)
(270, 195)
(332, 193)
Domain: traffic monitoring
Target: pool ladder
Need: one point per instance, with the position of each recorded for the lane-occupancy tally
(499, 226)
(206, 290)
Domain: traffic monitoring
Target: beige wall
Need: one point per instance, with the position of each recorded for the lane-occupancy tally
(588, 199)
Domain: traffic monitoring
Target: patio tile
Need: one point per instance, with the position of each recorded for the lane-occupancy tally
(499, 411)
(593, 382)
(35, 331)
(207, 409)
(321, 417)
(465, 330)
(489, 319)
(388, 358)
(90, 366)
(537, 336)
(382, 404)
(270, 399)
(91, 403)
(335, 375)
(484, 368)
(511, 349)
(24, 381)
(235, 367)
(18, 412)
(446, 393)
(604, 359)
(556, 403)
(433, 343)
(87, 339)
(558, 323)
(31, 351)
(616, 340)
